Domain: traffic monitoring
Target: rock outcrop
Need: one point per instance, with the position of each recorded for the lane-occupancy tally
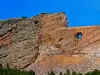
(18, 42)
(45, 42)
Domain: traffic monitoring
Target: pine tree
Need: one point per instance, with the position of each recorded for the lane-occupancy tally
(51, 73)
(68, 72)
(80, 74)
(74, 73)
(31, 72)
(60, 73)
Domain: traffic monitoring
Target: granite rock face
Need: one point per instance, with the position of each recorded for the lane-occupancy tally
(45, 42)
(18, 42)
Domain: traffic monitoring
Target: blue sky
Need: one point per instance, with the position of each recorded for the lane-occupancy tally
(79, 12)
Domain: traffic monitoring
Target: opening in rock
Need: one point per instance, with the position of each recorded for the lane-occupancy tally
(36, 22)
(57, 45)
(1, 66)
(79, 35)
(60, 39)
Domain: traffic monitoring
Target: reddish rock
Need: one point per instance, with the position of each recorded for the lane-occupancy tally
(45, 42)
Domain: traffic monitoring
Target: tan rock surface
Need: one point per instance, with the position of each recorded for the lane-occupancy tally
(45, 42)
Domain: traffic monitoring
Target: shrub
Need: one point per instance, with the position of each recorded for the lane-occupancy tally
(60, 73)
(74, 73)
(51, 73)
(8, 71)
(24, 17)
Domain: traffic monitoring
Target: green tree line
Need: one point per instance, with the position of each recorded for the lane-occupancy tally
(8, 71)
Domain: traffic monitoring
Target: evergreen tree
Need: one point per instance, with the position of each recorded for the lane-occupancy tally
(31, 72)
(51, 73)
(68, 72)
(80, 74)
(60, 73)
(74, 73)
(24, 17)
(88, 73)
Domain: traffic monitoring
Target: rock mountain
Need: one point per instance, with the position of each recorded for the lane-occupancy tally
(45, 42)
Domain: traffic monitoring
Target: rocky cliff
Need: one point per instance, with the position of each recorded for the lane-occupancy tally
(45, 42)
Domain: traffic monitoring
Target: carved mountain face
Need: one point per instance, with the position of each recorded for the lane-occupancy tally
(44, 43)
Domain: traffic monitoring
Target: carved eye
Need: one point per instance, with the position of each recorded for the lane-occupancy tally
(79, 35)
